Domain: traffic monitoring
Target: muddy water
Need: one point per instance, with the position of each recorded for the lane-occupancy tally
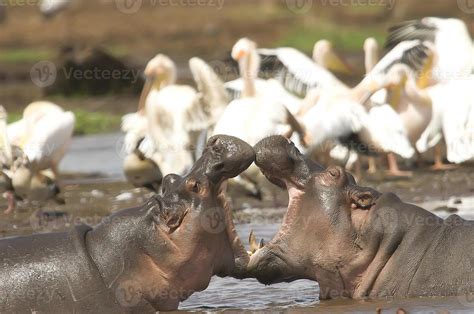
(302, 295)
(94, 189)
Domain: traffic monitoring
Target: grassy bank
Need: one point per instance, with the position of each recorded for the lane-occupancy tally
(87, 122)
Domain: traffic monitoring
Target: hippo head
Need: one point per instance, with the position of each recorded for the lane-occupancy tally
(172, 246)
(318, 235)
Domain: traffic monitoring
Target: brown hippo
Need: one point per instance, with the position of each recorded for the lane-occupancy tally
(141, 259)
(354, 241)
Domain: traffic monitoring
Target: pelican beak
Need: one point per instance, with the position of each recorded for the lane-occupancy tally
(238, 55)
(145, 91)
(336, 64)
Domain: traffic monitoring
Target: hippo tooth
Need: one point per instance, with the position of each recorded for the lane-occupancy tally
(253, 242)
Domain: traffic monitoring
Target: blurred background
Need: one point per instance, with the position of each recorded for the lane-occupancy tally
(125, 34)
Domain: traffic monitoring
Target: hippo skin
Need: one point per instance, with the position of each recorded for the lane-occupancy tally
(354, 241)
(141, 259)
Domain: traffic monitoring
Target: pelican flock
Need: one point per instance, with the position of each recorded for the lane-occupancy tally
(414, 97)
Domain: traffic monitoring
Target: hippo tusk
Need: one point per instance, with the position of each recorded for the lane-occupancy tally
(254, 247)
(253, 242)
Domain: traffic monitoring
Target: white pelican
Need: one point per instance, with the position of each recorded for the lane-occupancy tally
(409, 64)
(24, 171)
(385, 131)
(169, 119)
(453, 120)
(255, 115)
(452, 45)
(43, 134)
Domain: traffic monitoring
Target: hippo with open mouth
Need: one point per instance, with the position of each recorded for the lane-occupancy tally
(354, 241)
(138, 260)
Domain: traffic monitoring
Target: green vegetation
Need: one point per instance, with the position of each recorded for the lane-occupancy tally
(87, 122)
(25, 55)
(95, 122)
(14, 116)
(346, 38)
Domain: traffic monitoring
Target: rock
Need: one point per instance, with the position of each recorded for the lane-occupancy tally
(126, 196)
(97, 193)
(446, 209)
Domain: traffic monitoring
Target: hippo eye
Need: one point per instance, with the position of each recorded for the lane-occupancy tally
(194, 186)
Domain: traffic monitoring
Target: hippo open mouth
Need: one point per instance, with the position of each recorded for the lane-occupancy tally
(182, 236)
(314, 194)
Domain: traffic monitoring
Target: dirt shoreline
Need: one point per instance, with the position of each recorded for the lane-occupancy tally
(90, 198)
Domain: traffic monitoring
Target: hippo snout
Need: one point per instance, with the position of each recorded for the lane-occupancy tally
(228, 156)
(268, 267)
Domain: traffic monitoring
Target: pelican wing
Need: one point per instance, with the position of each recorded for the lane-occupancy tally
(212, 96)
(387, 130)
(413, 53)
(267, 88)
(458, 121)
(411, 30)
(295, 71)
(49, 139)
(332, 119)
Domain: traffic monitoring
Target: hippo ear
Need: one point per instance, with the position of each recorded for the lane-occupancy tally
(363, 198)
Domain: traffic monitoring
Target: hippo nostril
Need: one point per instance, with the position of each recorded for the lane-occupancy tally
(219, 166)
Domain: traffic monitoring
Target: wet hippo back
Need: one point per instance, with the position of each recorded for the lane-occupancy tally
(51, 272)
(431, 256)
(448, 264)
